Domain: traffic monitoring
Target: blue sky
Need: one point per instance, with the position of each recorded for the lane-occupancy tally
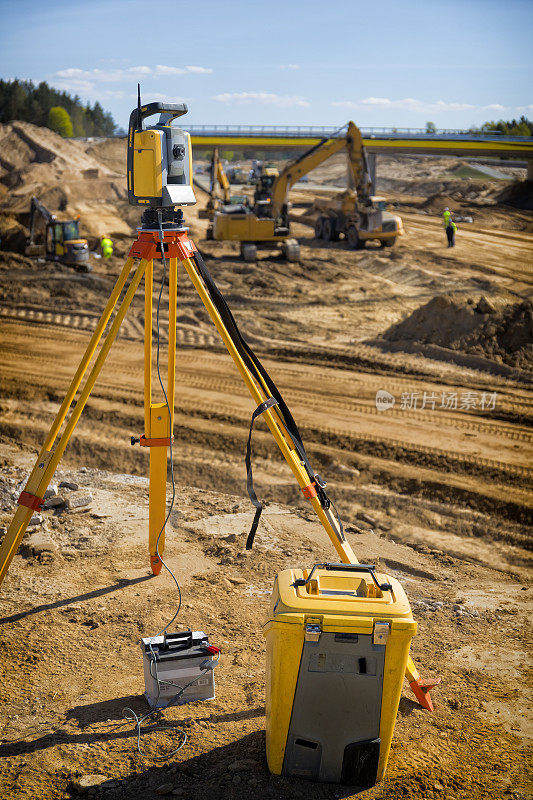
(455, 62)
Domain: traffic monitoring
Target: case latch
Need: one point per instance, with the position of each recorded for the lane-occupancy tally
(381, 632)
(313, 629)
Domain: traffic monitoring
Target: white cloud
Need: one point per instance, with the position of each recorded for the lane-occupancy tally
(199, 70)
(411, 104)
(264, 98)
(167, 98)
(162, 69)
(88, 78)
(289, 66)
(75, 85)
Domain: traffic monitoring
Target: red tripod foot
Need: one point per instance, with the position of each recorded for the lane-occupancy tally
(156, 564)
(421, 689)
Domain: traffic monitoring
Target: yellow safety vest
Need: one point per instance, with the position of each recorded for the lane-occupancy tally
(447, 215)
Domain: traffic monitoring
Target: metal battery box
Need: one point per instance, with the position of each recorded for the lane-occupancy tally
(171, 662)
(337, 646)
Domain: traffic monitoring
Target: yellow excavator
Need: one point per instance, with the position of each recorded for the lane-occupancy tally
(218, 176)
(359, 217)
(61, 241)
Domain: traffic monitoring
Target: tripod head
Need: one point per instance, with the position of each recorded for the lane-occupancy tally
(159, 158)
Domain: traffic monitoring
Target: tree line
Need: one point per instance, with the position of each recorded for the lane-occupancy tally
(513, 127)
(45, 106)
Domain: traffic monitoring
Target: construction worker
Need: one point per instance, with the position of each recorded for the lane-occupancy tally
(451, 229)
(107, 247)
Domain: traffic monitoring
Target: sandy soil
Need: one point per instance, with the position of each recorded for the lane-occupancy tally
(447, 492)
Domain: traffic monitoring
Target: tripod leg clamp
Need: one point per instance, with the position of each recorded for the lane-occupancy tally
(30, 501)
(144, 442)
(309, 491)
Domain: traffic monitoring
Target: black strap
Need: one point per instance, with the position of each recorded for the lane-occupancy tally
(262, 376)
(249, 477)
(251, 360)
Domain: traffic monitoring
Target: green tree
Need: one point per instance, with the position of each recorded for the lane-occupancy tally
(59, 121)
(22, 100)
(431, 127)
(77, 116)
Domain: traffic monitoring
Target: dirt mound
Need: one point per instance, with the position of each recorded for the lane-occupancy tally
(450, 192)
(518, 195)
(111, 152)
(473, 325)
(66, 175)
(12, 234)
(24, 144)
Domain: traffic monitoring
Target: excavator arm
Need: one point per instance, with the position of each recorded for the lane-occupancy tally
(352, 142)
(217, 175)
(38, 208)
(221, 176)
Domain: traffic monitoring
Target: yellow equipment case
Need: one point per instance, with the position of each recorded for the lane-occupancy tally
(338, 639)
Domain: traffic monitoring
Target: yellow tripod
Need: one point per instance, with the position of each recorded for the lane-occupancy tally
(158, 417)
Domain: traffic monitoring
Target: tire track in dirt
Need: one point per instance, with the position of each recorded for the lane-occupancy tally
(397, 449)
(130, 329)
(304, 399)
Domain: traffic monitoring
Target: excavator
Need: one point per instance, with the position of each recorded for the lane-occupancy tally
(218, 176)
(62, 239)
(359, 217)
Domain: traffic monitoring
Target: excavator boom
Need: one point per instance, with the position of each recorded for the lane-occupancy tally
(221, 176)
(352, 142)
(362, 216)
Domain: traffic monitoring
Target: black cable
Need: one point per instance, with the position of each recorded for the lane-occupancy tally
(139, 720)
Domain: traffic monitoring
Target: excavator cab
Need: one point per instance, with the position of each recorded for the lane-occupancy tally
(63, 243)
(263, 190)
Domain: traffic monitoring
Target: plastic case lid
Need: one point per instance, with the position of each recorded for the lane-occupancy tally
(340, 594)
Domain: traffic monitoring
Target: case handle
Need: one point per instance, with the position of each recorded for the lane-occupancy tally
(370, 568)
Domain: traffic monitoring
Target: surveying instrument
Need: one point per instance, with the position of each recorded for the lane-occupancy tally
(159, 167)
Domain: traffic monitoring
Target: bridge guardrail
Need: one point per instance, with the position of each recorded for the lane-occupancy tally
(331, 131)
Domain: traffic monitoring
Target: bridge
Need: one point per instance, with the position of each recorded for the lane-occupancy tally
(376, 140)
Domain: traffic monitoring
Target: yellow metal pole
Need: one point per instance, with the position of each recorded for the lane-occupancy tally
(159, 429)
(47, 462)
(290, 454)
(148, 289)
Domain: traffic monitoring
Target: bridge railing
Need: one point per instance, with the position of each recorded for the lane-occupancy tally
(330, 131)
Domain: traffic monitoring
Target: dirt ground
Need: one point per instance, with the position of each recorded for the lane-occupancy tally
(436, 491)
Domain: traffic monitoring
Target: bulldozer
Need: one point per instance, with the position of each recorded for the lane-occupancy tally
(360, 216)
(62, 239)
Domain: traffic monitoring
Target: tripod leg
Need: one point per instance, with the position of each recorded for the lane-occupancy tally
(47, 461)
(31, 486)
(273, 421)
(172, 314)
